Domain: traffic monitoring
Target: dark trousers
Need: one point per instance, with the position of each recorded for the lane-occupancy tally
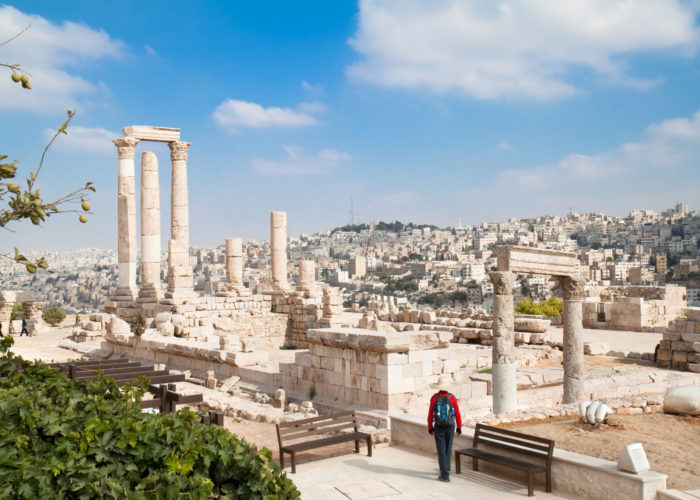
(443, 443)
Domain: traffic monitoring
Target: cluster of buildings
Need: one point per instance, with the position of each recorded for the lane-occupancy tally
(420, 263)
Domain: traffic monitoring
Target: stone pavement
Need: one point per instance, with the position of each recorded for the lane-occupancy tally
(399, 473)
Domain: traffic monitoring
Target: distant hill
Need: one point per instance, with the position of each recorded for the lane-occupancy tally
(395, 227)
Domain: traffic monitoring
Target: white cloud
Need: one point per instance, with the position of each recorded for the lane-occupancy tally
(150, 50)
(233, 114)
(85, 139)
(297, 163)
(52, 55)
(661, 164)
(311, 89)
(514, 48)
(504, 146)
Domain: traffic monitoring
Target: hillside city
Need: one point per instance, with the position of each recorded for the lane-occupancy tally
(424, 264)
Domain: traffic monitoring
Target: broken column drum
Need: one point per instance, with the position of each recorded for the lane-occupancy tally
(307, 272)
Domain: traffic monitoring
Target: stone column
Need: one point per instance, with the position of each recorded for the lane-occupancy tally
(180, 282)
(234, 262)
(307, 272)
(150, 228)
(126, 219)
(278, 245)
(505, 397)
(574, 375)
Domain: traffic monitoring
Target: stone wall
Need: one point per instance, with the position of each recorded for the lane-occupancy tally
(633, 308)
(680, 347)
(386, 371)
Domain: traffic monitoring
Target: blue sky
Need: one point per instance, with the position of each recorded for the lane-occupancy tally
(418, 111)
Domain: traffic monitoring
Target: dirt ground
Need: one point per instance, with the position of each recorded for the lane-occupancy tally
(671, 443)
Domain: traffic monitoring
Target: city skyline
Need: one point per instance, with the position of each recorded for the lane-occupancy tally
(425, 114)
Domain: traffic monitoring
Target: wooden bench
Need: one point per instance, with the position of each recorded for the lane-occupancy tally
(514, 443)
(317, 432)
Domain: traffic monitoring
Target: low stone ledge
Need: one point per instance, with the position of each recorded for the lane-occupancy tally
(572, 473)
(368, 340)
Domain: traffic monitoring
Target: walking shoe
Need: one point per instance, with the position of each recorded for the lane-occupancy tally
(444, 479)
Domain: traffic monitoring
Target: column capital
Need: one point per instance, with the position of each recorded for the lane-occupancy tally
(125, 146)
(178, 150)
(502, 282)
(571, 287)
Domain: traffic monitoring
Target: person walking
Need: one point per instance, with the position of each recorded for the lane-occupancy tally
(443, 418)
(24, 328)
(1, 334)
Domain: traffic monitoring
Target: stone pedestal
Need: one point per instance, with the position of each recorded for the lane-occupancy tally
(278, 246)
(150, 290)
(126, 220)
(307, 279)
(503, 369)
(574, 375)
(234, 269)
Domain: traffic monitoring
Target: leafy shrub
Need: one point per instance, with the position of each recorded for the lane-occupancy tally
(551, 307)
(138, 324)
(17, 312)
(65, 439)
(53, 316)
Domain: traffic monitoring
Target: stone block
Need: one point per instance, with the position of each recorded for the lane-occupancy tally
(632, 459)
(664, 355)
(690, 337)
(672, 336)
(596, 348)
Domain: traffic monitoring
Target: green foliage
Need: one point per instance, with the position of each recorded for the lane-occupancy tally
(405, 284)
(53, 316)
(65, 439)
(312, 392)
(138, 324)
(16, 309)
(551, 307)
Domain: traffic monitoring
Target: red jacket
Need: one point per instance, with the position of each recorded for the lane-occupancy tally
(433, 401)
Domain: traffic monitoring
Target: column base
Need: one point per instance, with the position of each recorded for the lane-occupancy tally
(504, 388)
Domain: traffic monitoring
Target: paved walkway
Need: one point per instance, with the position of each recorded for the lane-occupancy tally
(619, 340)
(399, 473)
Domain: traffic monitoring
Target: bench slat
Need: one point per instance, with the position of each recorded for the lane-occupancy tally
(483, 436)
(522, 451)
(324, 430)
(319, 443)
(498, 430)
(342, 423)
(492, 457)
(320, 418)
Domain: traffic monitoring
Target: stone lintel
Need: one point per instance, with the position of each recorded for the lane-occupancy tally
(536, 261)
(369, 340)
(147, 133)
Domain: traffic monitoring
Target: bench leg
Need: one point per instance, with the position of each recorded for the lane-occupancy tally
(530, 483)
(294, 462)
(548, 472)
(357, 446)
(475, 463)
(369, 446)
(282, 460)
(458, 463)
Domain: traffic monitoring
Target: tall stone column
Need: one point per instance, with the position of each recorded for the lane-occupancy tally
(180, 282)
(126, 219)
(278, 244)
(574, 374)
(150, 229)
(505, 397)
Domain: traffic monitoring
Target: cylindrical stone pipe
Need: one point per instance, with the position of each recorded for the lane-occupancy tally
(150, 221)
(278, 245)
(234, 261)
(503, 353)
(126, 215)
